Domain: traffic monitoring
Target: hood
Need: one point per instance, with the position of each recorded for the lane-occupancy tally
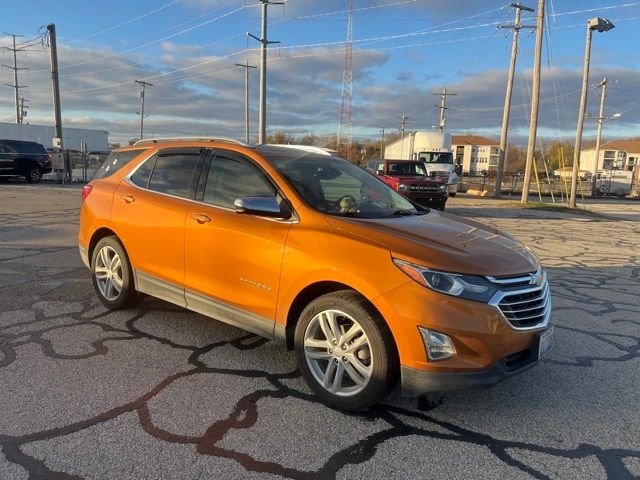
(445, 242)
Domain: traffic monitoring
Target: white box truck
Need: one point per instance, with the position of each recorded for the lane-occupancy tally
(431, 148)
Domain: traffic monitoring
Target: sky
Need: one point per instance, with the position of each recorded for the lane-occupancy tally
(403, 51)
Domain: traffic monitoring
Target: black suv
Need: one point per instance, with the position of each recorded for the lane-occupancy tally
(26, 159)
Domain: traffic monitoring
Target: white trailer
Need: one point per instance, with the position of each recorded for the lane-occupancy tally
(431, 148)
(44, 134)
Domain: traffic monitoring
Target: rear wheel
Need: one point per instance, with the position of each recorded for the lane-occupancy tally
(112, 275)
(345, 351)
(34, 175)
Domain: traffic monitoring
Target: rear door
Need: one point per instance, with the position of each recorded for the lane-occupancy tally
(233, 260)
(149, 211)
(6, 159)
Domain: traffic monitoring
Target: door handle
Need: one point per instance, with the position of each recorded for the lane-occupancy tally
(200, 218)
(128, 198)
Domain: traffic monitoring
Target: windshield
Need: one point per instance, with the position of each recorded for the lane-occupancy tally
(407, 169)
(338, 187)
(436, 157)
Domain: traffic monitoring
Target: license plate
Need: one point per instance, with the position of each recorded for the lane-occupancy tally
(545, 342)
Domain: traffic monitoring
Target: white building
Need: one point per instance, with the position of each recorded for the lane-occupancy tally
(475, 153)
(615, 155)
(43, 134)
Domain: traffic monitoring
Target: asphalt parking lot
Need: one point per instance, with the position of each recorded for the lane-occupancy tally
(158, 392)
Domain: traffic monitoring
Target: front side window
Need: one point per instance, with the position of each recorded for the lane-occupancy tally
(115, 161)
(338, 187)
(174, 173)
(230, 179)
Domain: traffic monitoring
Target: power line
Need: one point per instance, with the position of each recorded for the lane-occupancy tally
(155, 42)
(95, 34)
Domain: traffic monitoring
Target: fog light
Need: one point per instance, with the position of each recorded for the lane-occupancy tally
(439, 346)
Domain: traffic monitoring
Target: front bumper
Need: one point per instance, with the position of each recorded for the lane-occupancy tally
(417, 382)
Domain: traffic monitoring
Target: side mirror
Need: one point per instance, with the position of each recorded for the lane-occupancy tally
(379, 172)
(266, 206)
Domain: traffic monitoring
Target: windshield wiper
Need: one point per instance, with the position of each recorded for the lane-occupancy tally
(402, 213)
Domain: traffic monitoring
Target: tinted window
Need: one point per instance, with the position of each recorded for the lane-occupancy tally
(25, 148)
(230, 179)
(338, 187)
(143, 173)
(173, 174)
(115, 161)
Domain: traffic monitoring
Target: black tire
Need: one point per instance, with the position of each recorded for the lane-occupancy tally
(452, 194)
(34, 175)
(383, 353)
(128, 296)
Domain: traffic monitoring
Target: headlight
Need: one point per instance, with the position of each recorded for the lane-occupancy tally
(471, 287)
(402, 186)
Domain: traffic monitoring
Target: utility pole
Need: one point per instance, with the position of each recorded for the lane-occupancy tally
(55, 86)
(15, 69)
(143, 86)
(535, 102)
(403, 121)
(262, 116)
(23, 109)
(504, 136)
(382, 142)
(601, 25)
(246, 67)
(601, 119)
(443, 107)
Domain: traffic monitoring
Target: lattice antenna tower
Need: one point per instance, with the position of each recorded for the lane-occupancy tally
(344, 140)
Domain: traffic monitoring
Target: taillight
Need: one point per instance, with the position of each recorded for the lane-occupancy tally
(47, 160)
(86, 190)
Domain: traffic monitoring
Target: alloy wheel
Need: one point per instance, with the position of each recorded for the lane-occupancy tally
(338, 353)
(108, 273)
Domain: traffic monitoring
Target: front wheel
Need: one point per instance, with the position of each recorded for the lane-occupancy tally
(452, 194)
(34, 175)
(112, 275)
(345, 351)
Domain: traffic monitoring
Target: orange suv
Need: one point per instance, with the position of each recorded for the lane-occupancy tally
(312, 251)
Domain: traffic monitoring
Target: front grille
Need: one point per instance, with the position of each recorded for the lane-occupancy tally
(424, 188)
(524, 301)
(526, 308)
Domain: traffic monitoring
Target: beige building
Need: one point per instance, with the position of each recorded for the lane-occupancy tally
(615, 155)
(475, 153)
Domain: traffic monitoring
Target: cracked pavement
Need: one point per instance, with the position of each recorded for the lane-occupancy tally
(160, 392)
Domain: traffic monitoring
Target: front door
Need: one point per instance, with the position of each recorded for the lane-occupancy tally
(149, 211)
(233, 261)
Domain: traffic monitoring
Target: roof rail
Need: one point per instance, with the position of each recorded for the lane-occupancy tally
(306, 148)
(192, 139)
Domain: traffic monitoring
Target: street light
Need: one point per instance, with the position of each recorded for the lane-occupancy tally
(599, 25)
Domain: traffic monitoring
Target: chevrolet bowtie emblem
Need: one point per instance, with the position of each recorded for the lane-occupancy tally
(535, 279)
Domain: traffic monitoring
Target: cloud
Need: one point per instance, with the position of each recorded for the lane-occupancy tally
(304, 94)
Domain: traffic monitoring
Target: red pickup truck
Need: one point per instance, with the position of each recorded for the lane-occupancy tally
(410, 178)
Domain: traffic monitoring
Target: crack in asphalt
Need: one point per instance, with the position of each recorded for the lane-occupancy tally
(246, 412)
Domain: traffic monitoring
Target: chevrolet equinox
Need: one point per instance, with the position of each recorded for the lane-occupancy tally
(314, 252)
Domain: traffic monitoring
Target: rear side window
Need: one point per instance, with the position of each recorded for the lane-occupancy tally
(115, 161)
(230, 179)
(174, 173)
(143, 173)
